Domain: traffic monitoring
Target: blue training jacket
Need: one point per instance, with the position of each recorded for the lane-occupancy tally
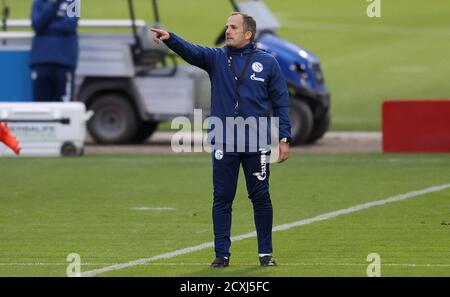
(55, 39)
(263, 86)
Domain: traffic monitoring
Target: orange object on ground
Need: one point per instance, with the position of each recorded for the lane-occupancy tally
(8, 138)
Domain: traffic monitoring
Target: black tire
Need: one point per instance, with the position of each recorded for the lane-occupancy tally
(68, 149)
(114, 120)
(301, 121)
(320, 127)
(145, 130)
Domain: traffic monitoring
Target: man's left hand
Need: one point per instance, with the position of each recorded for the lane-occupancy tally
(284, 152)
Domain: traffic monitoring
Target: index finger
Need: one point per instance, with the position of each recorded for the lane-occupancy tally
(156, 30)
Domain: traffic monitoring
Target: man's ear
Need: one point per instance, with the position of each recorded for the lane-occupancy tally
(248, 35)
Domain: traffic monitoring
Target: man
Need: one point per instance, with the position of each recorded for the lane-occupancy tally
(54, 52)
(245, 82)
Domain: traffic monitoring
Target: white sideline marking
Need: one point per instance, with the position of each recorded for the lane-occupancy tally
(153, 208)
(319, 218)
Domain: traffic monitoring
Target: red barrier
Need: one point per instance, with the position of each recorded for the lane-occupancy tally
(416, 126)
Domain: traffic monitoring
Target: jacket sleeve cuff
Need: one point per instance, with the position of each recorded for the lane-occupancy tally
(172, 38)
(289, 139)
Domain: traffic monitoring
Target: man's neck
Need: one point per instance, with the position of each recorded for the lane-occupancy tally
(242, 46)
(245, 44)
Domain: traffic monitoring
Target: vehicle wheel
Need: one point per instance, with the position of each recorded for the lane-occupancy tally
(145, 130)
(301, 121)
(68, 149)
(114, 120)
(320, 127)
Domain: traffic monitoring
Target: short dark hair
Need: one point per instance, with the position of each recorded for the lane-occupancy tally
(249, 23)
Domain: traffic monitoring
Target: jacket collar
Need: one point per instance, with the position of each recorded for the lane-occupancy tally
(243, 50)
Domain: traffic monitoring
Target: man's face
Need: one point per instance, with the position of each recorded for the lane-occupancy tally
(234, 34)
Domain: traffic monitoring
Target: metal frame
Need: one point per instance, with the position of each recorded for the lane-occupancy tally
(104, 23)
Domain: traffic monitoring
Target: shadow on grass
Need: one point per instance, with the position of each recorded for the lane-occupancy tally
(232, 271)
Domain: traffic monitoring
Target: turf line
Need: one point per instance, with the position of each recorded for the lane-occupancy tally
(318, 218)
(240, 264)
(153, 208)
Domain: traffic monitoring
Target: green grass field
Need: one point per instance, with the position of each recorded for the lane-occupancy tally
(53, 207)
(403, 54)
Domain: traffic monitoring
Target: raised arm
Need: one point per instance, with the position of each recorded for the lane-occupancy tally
(196, 55)
(43, 12)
